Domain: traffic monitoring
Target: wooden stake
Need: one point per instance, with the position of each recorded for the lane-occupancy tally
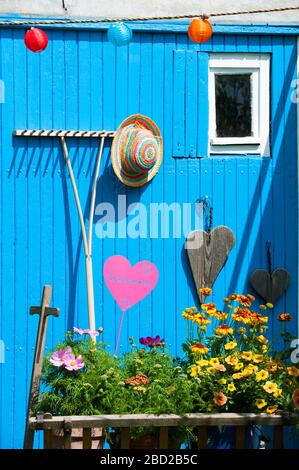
(44, 311)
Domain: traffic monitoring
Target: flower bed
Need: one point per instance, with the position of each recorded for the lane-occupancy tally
(233, 370)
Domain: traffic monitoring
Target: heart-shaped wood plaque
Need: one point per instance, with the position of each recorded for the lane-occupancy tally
(270, 286)
(207, 253)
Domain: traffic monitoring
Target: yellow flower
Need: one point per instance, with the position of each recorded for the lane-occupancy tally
(260, 403)
(226, 299)
(214, 360)
(262, 375)
(270, 387)
(263, 307)
(262, 339)
(269, 305)
(194, 371)
(210, 370)
(231, 388)
(247, 355)
(188, 310)
(222, 381)
(247, 372)
(200, 319)
(194, 309)
(224, 330)
(253, 367)
(277, 393)
(221, 315)
(199, 349)
(206, 291)
(242, 329)
(293, 371)
(231, 360)
(264, 348)
(237, 376)
(258, 358)
(202, 362)
(203, 328)
(230, 345)
(239, 366)
(209, 308)
(271, 409)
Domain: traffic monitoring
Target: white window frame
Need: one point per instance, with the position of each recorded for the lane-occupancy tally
(258, 65)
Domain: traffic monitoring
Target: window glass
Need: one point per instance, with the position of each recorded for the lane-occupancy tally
(233, 105)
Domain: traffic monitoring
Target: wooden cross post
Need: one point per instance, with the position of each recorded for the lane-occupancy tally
(43, 311)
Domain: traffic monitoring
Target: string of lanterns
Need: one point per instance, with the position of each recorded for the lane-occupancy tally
(119, 34)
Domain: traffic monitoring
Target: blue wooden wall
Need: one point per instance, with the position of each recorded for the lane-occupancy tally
(83, 82)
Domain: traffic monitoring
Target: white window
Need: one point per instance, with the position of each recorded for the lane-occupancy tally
(239, 104)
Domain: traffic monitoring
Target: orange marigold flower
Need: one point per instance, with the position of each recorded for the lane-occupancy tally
(220, 399)
(209, 308)
(201, 319)
(244, 300)
(206, 291)
(138, 379)
(295, 397)
(199, 348)
(221, 315)
(224, 330)
(250, 297)
(242, 315)
(284, 317)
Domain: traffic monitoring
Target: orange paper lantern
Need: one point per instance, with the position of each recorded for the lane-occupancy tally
(200, 30)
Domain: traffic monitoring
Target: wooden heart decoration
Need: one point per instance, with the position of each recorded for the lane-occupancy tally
(207, 253)
(270, 286)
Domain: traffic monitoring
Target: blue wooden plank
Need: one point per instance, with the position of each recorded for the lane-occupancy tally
(243, 224)
(84, 165)
(157, 184)
(291, 179)
(108, 184)
(132, 197)
(21, 245)
(191, 104)
(277, 118)
(230, 220)
(145, 251)
(121, 112)
(203, 109)
(96, 122)
(218, 194)
(168, 169)
(8, 240)
(179, 103)
(64, 94)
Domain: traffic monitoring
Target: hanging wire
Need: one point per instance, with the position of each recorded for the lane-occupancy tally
(149, 18)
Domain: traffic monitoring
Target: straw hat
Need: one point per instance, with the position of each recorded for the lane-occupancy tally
(136, 151)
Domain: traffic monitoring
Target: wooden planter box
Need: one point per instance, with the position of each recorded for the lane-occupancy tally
(50, 425)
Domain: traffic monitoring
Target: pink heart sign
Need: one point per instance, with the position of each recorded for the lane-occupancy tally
(129, 284)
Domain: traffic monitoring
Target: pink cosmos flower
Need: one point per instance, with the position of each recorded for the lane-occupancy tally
(78, 330)
(59, 358)
(89, 332)
(152, 342)
(73, 363)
